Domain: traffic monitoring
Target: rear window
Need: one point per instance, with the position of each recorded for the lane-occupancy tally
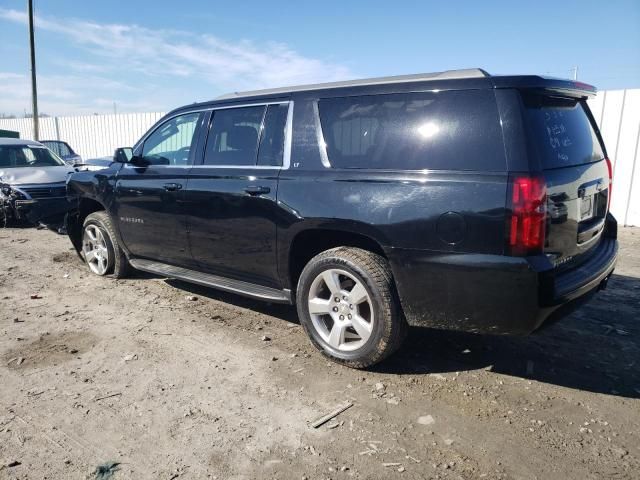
(456, 130)
(561, 131)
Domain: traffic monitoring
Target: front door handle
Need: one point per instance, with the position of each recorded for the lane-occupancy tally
(172, 187)
(257, 190)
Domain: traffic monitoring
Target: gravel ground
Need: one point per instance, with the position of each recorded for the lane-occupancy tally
(174, 381)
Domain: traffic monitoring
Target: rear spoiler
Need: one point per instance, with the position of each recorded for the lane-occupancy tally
(569, 88)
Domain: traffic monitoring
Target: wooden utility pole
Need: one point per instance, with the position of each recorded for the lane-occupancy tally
(34, 89)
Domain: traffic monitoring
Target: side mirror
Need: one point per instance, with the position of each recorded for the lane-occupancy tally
(139, 161)
(123, 155)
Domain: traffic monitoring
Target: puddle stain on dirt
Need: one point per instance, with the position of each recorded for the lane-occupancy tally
(64, 257)
(49, 349)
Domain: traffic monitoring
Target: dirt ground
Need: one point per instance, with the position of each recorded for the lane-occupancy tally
(140, 373)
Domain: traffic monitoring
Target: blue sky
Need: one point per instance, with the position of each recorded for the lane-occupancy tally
(156, 55)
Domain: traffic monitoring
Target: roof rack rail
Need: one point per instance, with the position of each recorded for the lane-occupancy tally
(418, 77)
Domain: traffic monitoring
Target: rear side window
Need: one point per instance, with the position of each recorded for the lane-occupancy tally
(561, 131)
(64, 150)
(456, 130)
(233, 137)
(272, 140)
(59, 148)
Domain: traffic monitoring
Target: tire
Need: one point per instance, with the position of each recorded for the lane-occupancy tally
(385, 326)
(101, 227)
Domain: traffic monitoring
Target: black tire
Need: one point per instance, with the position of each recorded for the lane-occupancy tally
(118, 263)
(390, 326)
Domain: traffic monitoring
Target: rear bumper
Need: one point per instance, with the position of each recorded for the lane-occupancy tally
(494, 293)
(567, 286)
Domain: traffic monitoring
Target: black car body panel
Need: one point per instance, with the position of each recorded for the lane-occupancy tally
(443, 230)
(231, 232)
(494, 293)
(146, 209)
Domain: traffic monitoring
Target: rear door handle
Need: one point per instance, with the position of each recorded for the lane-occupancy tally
(172, 187)
(257, 190)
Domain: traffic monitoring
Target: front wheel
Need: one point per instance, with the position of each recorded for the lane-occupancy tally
(347, 305)
(100, 248)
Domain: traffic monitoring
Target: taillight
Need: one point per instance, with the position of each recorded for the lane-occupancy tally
(528, 214)
(610, 169)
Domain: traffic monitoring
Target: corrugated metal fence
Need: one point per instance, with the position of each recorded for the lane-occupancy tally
(616, 111)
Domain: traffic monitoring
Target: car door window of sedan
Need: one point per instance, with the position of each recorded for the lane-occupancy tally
(172, 142)
(65, 151)
(59, 148)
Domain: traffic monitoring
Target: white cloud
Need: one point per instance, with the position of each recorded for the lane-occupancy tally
(166, 67)
(64, 94)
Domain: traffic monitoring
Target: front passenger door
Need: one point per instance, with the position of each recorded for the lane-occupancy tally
(149, 194)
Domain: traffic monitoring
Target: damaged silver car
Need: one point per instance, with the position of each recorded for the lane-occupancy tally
(32, 183)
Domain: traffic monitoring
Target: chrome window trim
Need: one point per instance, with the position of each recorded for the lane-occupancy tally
(251, 104)
(243, 167)
(322, 145)
(128, 165)
(288, 138)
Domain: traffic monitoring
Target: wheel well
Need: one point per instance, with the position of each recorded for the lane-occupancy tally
(86, 206)
(310, 243)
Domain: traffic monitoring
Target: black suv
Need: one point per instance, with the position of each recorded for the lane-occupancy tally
(454, 200)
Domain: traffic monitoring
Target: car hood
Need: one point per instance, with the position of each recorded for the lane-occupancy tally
(30, 175)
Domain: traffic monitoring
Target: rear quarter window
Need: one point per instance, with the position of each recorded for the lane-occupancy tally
(453, 130)
(560, 131)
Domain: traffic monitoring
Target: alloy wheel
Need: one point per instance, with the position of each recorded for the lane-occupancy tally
(341, 310)
(94, 249)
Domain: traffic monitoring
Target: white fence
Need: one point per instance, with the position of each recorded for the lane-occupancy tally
(616, 111)
(618, 115)
(90, 136)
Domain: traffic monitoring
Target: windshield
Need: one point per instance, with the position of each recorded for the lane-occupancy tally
(21, 156)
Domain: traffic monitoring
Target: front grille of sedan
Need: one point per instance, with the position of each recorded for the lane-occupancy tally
(45, 192)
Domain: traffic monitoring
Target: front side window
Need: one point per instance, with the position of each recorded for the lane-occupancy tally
(18, 156)
(457, 130)
(173, 142)
(233, 136)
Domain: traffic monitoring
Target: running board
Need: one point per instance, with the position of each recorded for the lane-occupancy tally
(214, 281)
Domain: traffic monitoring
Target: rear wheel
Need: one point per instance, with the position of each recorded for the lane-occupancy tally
(100, 248)
(347, 305)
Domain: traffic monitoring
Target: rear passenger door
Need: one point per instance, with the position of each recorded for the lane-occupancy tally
(231, 197)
